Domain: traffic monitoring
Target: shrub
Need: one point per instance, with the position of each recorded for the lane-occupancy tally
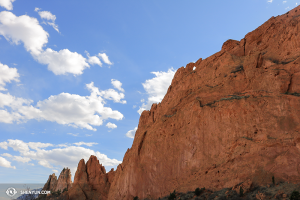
(295, 195)
(199, 191)
(241, 192)
(273, 180)
(136, 198)
(172, 196)
(66, 189)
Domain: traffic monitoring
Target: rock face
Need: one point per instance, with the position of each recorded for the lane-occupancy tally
(235, 118)
(51, 183)
(91, 181)
(234, 121)
(64, 180)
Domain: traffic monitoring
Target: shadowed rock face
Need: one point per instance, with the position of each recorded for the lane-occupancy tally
(234, 118)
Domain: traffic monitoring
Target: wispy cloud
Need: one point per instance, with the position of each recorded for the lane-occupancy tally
(47, 15)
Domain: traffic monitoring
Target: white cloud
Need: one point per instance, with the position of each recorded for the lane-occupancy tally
(117, 84)
(131, 133)
(28, 30)
(88, 135)
(21, 159)
(45, 163)
(109, 94)
(105, 59)
(5, 163)
(287, 7)
(93, 60)
(64, 157)
(47, 15)
(73, 134)
(25, 29)
(85, 143)
(134, 106)
(156, 88)
(63, 62)
(284, 2)
(55, 171)
(7, 4)
(39, 145)
(67, 109)
(142, 100)
(3, 145)
(6, 155)
(111, 125)
(270, 1)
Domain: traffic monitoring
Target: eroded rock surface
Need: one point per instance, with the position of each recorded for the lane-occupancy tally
(234, 118)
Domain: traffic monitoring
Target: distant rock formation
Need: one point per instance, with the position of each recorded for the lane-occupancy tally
(91, 181)
(230, 118)
(64, 181)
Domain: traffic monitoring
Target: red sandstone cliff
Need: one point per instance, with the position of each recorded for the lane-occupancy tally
(235, 118)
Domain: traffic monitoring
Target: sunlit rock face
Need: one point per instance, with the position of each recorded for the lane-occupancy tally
(91, 181)
(235, 117)
(230, 118)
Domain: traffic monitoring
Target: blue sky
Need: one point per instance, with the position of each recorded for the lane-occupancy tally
(75, 75)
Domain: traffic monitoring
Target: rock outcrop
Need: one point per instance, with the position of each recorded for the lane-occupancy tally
(235, 118)
(64, 180)
(51, 183)
(91, 181)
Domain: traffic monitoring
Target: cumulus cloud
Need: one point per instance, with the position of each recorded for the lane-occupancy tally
(16, 29)
(93, 60)
(47, 15)
(109, 94)
(89, 144)
(6, 163)
(63, 61)
(105, 59)
(156, 88)
(117, 84)
(111, 125)
(7, 4)
(64, 108)
(270, 1)
(52, 158)
(131, 133)
(25, 29)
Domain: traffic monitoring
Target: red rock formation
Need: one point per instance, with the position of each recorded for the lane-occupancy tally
(234, 119)
(51, 183)
(91, 181)
(64, 180)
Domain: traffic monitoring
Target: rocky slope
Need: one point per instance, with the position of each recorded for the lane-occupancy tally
(233, 119)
